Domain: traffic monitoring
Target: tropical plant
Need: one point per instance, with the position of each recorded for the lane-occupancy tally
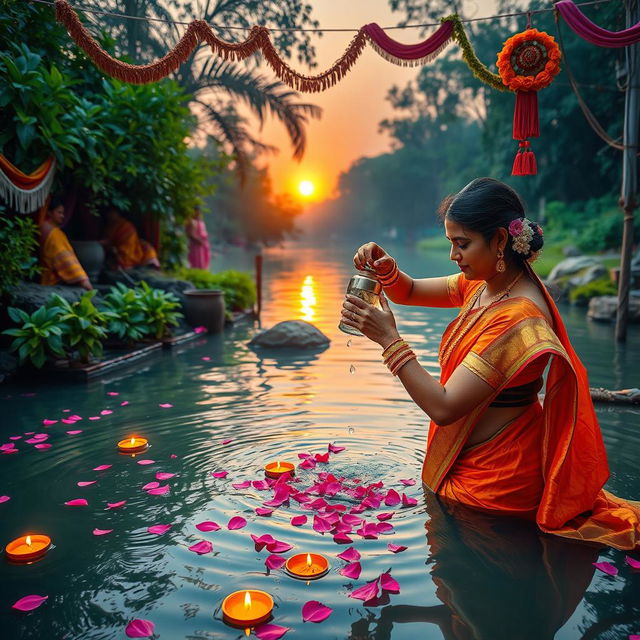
(39, 336)
(238, 286)
(584, 292)
(83, 326)
(18, 239)
(126, 318)
(160, 310)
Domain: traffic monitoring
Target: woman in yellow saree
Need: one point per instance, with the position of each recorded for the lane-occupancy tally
(123, 239)
(492, 444)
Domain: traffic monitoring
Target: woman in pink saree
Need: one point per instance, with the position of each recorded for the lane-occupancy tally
(199, 252)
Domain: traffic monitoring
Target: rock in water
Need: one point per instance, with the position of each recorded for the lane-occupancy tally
(291, 333)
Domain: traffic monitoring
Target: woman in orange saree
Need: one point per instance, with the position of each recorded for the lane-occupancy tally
(130, 250)
(492, 444)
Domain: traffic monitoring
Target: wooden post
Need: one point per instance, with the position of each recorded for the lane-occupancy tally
(629, 171)
(258, 284)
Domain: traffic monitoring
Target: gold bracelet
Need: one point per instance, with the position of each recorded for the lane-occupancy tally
(409, 356)
(388, 277)
(396, 355)
(393, 348)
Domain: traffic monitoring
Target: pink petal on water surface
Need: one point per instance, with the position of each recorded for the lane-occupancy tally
(77, 502)
(9, 446)
(7, 498)
(164, 475)
(366, 592)
(46, 422)
(43, 446)
(634, 637)
(75, 432)
(86, 483)
(75, 417)
(260, 485)
(335, 449)
(275, 562)
(150, 485)
(321, 457)
(384, 527)
(159, 491)
(392, 498)
(116, 505)
(396, 548)
(409, 482)
(342, 538)
(241, 485)
(106, 412)
(298, 521)
(270, 631)
(408, 502)
(227, 441)
(387, 583)
(350, 555)
(140, 628)
(28, 441)
(165, 405)
(200, 330)
(321, 525)
(15, 437)
(237, 522)
(112, 393)
(208, 525)
(205, 358)
(159, 529)
(124, 403)
(261, 511)
(314, 611)
(94, 417)
(307, 464)
(219, 474)
(204, 546)
(277, 546)
(101, 532)
(143, 462)
(29, 603)
(103, 467)
(262, 541)
(351, 570)
(68, 421)
(385, 516)
(635, 564)
(173, 456)
(606, 567)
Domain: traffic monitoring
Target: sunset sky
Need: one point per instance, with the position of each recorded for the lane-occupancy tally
(353, 108)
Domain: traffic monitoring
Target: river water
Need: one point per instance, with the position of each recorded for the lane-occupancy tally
(233, 409)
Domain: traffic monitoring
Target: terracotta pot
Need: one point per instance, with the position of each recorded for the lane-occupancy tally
(90, 254)
(205, 308)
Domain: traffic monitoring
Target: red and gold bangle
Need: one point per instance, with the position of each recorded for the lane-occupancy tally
(390, 278)
(385, 352)
(408, 356)
(396, 355)
(386, 274)
(393, 348)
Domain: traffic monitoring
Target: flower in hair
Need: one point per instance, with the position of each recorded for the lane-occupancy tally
(520, 230)
(515, 227)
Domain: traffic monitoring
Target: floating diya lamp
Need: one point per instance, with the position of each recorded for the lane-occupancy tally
(247, 608)
(28, 548)
(133, 445)
(307, 566)
(279, 468)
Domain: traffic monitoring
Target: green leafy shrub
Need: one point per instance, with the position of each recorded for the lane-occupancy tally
(160, 310)
(582, 294)
(18, 239)
(39, 336)
(126, 318)
(238, 286)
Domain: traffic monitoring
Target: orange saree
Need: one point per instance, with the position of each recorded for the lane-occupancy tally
(130, 250)
(547, 465)
(57, 257)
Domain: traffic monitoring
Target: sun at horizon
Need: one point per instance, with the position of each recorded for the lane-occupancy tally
(306, 188)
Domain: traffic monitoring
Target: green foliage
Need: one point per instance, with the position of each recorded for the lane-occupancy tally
(39, 335)
(583, 293)
(238, 286)
(605, 232)
(159, 308)
(19, 242)
(126, 318)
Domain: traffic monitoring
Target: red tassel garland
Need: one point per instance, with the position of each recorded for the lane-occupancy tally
(525, 117)
(524, 164)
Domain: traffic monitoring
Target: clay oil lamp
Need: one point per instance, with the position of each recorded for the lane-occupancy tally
(133, 445)
(247, 608)
(279, 468)
(307, 566)
(28, 548)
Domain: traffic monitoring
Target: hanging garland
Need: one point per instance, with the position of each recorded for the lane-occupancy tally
(527, 63)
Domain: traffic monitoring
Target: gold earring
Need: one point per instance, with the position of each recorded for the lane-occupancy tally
(500, 265)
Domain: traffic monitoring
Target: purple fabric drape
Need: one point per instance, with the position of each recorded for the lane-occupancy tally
(409, 51)
(592, 32)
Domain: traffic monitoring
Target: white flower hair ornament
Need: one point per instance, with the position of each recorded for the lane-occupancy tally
(521, 231)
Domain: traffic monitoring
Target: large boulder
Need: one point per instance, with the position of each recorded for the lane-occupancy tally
(595, 272)
(571, 252)
(572, 266)
(572, 272)
(30, 296)
(296, 334)
(604, 308)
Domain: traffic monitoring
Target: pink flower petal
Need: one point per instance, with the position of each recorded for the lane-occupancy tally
(366, 592)
(144, 462)
(385, 516)
(261, 511)
(101, 532)
(165, 405)
(335, 449)
(68, 421)
(260, 485)
(106, 412)
(408, 502)
(77, 502)
(275, 562)
(159, 529)
(140, 628)
(321, 457)
(237, 522)
(270, 631)
(342, 538)
(200, 330)
(314, 611)
(94, 417)
(29, 603)
(173, 456)
(606, 567)
(396, 548)
(8, 446)
(392, 498)
(46, 422)
(628, 559)
(159, 491)
(150, 485)
(124, 403)
(262, 541)
(164, 475)
(43, 446)
(408, 483)
(277, 546)
(321, 525)
(351, 570)
(350, 555)
(298, 521)
(116, 505)
(75, 417)
(307, 464)
(208, 525)
(86, 483)
(103, 467)
(205, 358)
(112, 393)
(384, 527)
(15, 437)
(75, 432)
(7, 498)
(219, 474)
(387, 583)
(202, 547)
(242, 485)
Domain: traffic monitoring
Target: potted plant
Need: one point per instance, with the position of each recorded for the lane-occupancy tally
(126, 318)
(160, 310)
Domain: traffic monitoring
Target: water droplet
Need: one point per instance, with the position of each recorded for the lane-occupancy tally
(352, 369)
(351, 430)
(349, 342)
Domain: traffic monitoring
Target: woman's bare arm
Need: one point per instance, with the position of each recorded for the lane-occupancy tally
(424, 292)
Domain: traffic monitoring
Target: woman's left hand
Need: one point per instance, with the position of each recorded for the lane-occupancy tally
(378, 325)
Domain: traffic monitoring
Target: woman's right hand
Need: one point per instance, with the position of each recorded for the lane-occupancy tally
(374, 257)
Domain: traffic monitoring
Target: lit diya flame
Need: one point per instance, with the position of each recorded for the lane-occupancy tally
(133, 445)
(247, 600)
(247, 608)
(279, 468)
(308, 566)
(28, 548)
(28, 540)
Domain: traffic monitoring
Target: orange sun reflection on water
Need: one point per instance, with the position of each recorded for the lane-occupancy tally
(308, 299)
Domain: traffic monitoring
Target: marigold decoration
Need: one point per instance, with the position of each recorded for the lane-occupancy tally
(527, 63)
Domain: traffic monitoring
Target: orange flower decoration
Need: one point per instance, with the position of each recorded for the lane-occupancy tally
(529, 61)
